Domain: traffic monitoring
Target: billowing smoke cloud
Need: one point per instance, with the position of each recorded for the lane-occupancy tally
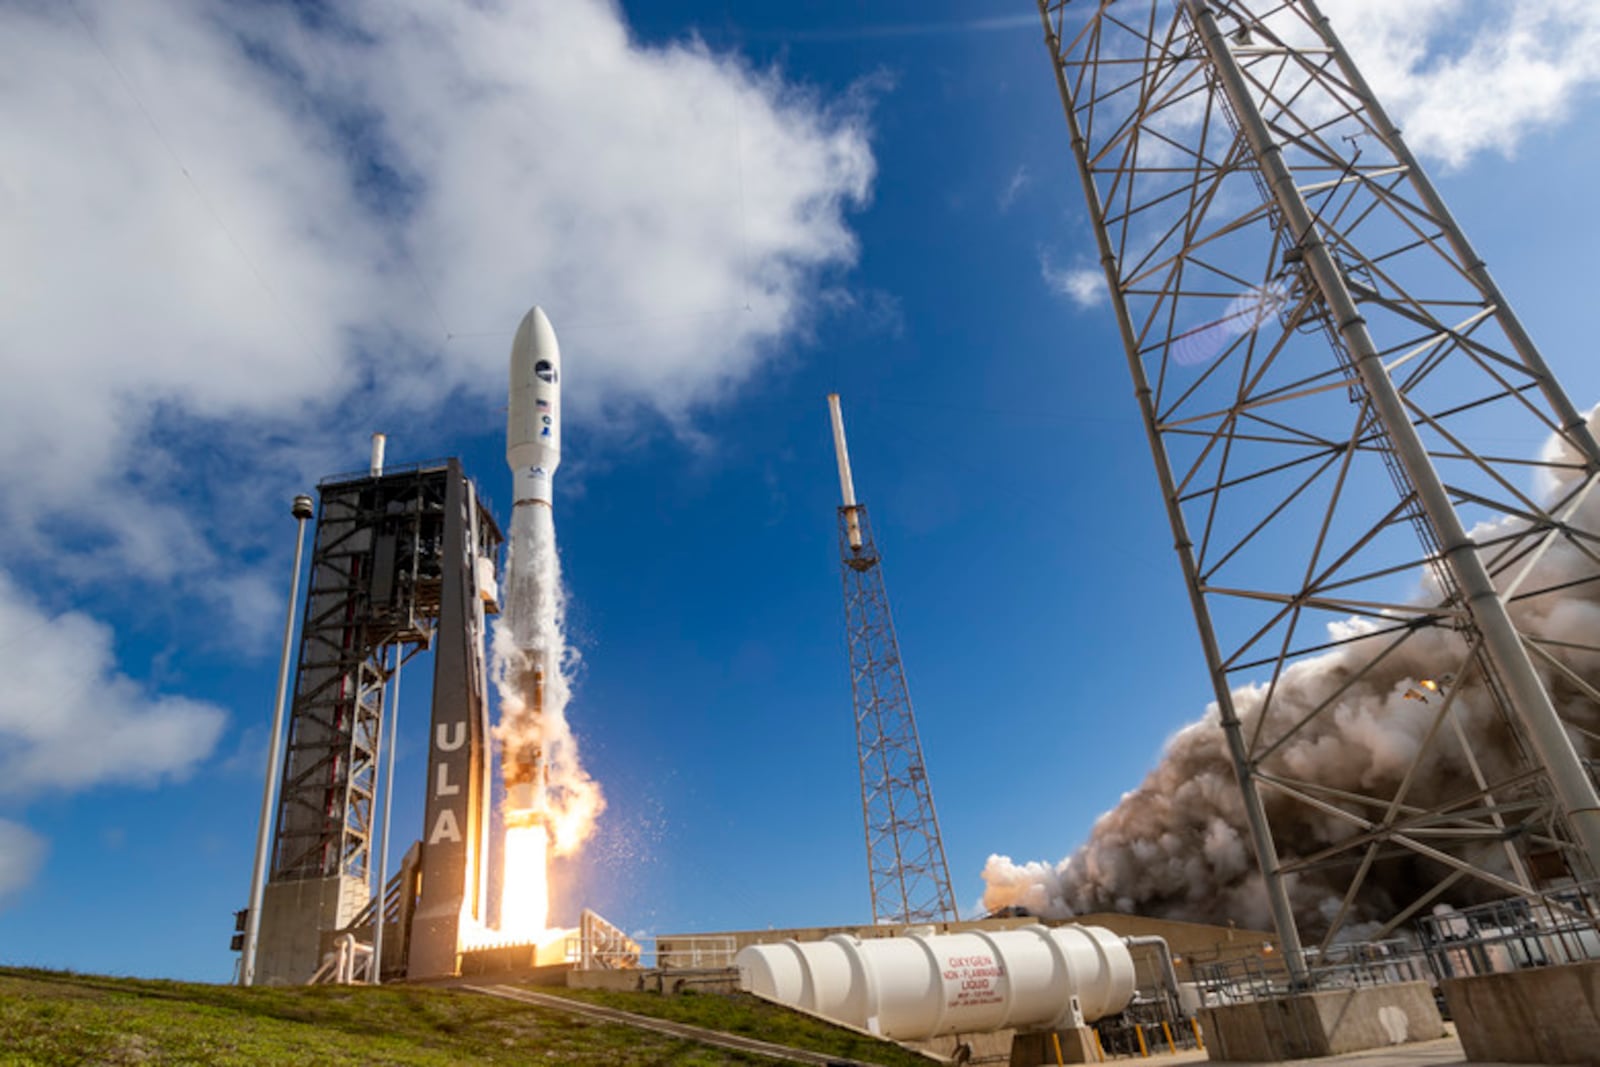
(1177, 845)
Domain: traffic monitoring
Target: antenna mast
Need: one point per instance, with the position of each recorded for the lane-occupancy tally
(906, 866)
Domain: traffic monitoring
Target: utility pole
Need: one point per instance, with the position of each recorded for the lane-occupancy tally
(302, 510)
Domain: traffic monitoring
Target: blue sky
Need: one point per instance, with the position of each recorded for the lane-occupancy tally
(243, 239)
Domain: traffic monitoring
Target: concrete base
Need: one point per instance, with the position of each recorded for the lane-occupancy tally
(1039, 1049)
(971, 1050)
(1322, 1024)
(676, 980)
(296, 918)
(1540, 1015)
(616, 981)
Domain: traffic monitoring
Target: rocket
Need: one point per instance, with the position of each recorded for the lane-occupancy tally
(533, 427)
(533, 451)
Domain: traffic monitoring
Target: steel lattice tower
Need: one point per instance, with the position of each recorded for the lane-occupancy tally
(906, 866)
(394, 570)
(1345, 416)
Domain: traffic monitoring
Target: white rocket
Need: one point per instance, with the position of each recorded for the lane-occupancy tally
(533, 449)
(533, 428)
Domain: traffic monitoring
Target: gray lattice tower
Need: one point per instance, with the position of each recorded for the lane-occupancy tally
(1346, 418)
(906, 866)
(384, 551)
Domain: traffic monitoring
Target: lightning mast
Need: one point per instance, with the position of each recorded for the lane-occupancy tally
(906, 866)
(1339, 399)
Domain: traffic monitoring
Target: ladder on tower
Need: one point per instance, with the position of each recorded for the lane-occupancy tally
(907, 870)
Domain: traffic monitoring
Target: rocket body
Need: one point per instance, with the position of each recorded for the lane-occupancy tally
(533, 450)
(533, 424)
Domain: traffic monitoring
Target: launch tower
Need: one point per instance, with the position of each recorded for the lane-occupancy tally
(1339, 399)
(402, 561)
(906, 866)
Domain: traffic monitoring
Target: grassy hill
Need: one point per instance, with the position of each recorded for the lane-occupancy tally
(49, 1017)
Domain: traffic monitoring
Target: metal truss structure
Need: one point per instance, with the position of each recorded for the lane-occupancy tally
(1347, 419)
(374, 587)
(906, 865)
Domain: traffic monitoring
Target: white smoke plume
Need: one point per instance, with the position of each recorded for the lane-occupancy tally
(530, 633)
(1178, 847)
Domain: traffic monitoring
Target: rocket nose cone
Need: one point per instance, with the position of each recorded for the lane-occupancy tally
(535, 334)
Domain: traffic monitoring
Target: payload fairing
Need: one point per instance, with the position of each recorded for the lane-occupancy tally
(533, 450)
(533, 428)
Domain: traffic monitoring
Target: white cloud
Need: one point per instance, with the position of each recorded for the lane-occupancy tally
(1084, 286)
(1463, 77)
(226, 223)
(70, 720)
(1020, 180)
(222, 222)
(22, 853)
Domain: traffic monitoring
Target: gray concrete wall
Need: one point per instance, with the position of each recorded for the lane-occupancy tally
(1322, 1024)
(1039, 1049)
(1541, 1015)
(295, 916)
(1376, 1016)
(1190, 942)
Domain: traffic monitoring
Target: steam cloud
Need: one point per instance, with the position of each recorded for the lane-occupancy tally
(1177, 846)
(530, 632)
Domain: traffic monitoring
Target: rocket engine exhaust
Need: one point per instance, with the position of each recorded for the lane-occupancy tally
(523, 766)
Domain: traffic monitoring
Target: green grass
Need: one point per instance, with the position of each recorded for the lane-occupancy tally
(52, 1017)
(58, 1018)
(748, 1016)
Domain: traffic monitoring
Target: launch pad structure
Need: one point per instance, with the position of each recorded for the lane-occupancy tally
(402, 562)
(1328, 374)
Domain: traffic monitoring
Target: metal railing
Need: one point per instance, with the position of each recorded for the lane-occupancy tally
(696, 953)
(1342, 966)
(1538, 930)
(601, 946)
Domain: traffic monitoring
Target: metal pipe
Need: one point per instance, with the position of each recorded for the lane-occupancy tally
(847, 485)
(378, 443)
(302, 510)
(1254, 809)
(1169, 973)
(388, 806)
(1530, 703)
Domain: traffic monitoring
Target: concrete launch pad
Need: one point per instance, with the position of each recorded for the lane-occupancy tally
(1540, 1015)
(1325, 1023)
(546, 964)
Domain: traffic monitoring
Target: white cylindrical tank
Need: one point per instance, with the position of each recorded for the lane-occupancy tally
(920, 986)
